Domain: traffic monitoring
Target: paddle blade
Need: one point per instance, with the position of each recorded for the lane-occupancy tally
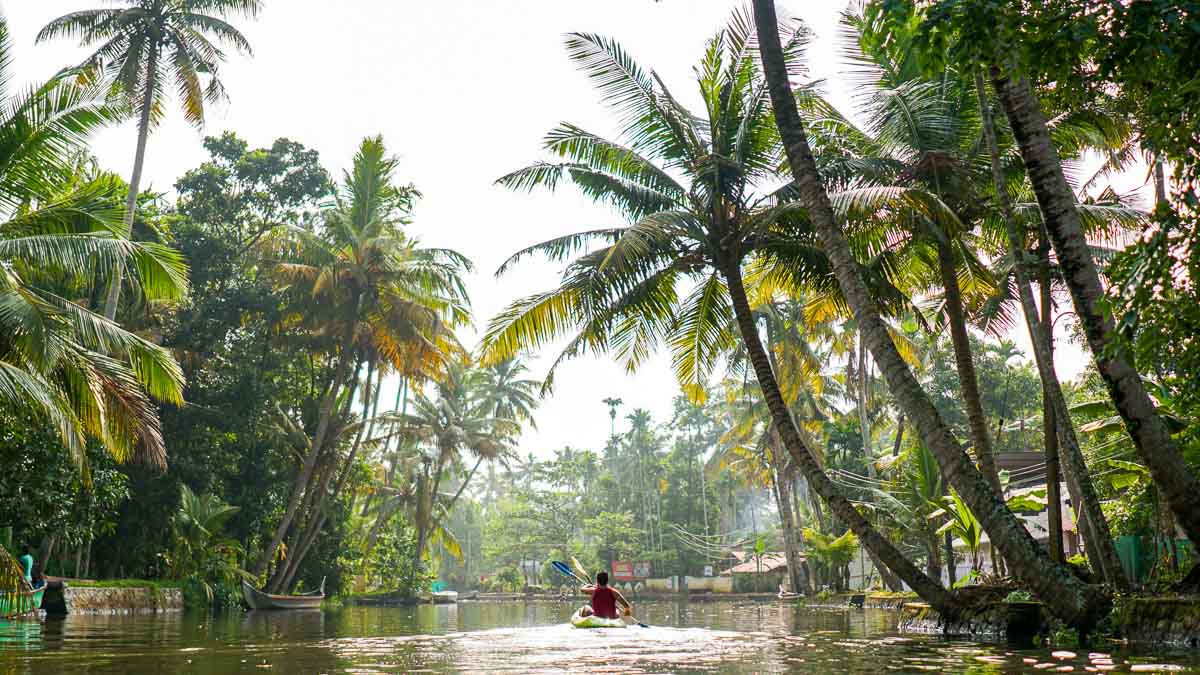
(579, 568)
(562, 568)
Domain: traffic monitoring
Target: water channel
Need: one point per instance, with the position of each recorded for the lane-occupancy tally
(725, 637)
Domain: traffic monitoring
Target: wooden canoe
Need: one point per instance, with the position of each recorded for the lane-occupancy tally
(256, 599)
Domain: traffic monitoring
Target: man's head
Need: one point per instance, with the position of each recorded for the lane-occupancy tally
(602, 578)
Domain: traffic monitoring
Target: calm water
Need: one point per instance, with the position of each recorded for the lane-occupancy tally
(728, 637)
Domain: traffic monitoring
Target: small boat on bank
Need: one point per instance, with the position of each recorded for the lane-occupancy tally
(438, 597)
(19, 598)
(20, 604)
(256, 599)
(578, 620)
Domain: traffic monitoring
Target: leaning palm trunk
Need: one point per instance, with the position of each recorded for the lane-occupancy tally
(1064, 595)
(802, 457)
(310, 461)
(1057, 201)
(787, 522)
(135, 179)
(1097, 537)
(318, 511)
(1049, 425)
(964, 363)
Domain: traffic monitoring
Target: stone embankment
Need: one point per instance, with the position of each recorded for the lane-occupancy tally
(68, 599)
(1159, 621)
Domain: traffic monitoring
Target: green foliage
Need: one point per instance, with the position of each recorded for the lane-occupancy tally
(176, 42)
(967, 579)
(44, 494)
(204, 558)
(614, 533)
(1018, 596)
(961, 523)
(238, 368)
(1029, 501)
(830, 551)
(82, 375)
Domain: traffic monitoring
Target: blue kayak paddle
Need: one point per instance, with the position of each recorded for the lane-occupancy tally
(566, 570)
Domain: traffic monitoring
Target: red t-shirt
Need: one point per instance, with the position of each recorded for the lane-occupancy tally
(604, 603)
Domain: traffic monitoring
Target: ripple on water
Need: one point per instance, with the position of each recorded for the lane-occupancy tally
(528, 638)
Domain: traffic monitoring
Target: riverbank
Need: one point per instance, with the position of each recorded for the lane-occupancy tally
(116, 597)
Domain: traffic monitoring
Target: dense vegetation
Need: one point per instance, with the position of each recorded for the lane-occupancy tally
(264, 377)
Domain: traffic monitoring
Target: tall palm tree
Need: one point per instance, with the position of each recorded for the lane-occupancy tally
(1093, 525)
(1063, 594)
(68, 367)
(143, 44)
(514, 396)
(754, 445)
(625, 295)
(920, 132)
(1151, 435)
(443, 427)
(364, 287)
(988, 45)
(926, 131)
(508, 390)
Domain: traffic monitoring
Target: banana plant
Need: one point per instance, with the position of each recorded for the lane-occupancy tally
(962, 524)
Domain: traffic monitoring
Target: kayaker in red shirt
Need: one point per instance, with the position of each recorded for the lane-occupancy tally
(605, 599)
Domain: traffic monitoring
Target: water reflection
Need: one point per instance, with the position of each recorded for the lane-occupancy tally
(723, 637)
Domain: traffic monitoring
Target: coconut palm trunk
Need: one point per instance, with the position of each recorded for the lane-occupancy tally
(318, 514)
(1097, 536)
(1150, 435)
(1049, 425)
(787, 522)
(310, 461)
(1064, 595)
(135, 178)
(964, 363)
(802, 457)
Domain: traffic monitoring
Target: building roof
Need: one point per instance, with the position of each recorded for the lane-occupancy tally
(770, 563)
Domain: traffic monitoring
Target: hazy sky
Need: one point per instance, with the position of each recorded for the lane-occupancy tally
(463, 92)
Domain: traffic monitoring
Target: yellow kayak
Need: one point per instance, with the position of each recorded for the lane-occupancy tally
(593, 621)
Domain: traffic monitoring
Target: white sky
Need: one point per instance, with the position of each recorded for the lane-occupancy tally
(463, 91)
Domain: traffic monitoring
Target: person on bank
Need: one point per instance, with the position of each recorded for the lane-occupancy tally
(605, 600)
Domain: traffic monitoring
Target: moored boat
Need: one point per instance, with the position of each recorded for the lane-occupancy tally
(20, 604)
(256, 599)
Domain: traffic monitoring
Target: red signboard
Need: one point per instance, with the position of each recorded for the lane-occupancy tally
(622, 571)
(630, 571)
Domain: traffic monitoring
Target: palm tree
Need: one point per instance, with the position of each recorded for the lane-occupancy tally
(920, 132)
(754, 445)
(1064, 595)
(202, 551)
(1065, 227)
(624, 296)
(513, 396)
(1151, 435)
(443, 427)
(361, 284)
(143, 44)
(1093, 525)
(506, 388)
(926, 131)
(77, 371)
